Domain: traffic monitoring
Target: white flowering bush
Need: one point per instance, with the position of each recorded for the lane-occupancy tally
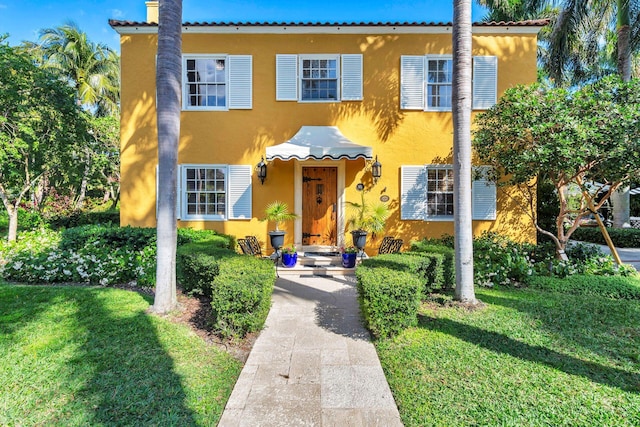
(37, 257)
(500, 261)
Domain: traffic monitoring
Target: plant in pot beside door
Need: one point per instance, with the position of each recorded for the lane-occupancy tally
(289, 256)
(278, 212)
(349, 255)
(366, 218)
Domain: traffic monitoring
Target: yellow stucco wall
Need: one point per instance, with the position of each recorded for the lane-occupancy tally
(398, 137)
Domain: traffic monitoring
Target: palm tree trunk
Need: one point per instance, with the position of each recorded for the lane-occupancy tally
(169, 73)
(620, 199)
(461, 102)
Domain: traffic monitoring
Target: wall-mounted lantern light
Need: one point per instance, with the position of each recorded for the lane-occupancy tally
(262, 170)
(376, 170)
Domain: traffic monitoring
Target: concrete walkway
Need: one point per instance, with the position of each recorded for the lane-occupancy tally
(313, 364)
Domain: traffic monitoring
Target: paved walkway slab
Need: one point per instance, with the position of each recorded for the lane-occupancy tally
(313, 364)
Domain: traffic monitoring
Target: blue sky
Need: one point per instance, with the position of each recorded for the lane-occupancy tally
(23, 18)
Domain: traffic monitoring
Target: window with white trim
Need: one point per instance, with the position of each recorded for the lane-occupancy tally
(205, 192)
(214, 192)
(217, 82)
(319, 77)
(427, 193)
(426, 82)
(440, 191)
(439, 78)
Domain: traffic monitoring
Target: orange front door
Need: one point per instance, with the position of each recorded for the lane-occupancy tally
(319, 206)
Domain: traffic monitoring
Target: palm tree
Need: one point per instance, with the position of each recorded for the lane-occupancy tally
(169, 74)
(93, 69)
(461, 104)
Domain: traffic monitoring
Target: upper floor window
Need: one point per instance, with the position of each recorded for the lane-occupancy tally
(426, 82)
(217, 82)
(206, 84)
(439, 78)
(319, 77)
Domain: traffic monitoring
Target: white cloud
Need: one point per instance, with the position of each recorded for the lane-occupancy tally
(117, 13)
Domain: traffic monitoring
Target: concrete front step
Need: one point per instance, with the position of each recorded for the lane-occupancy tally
(318, 265)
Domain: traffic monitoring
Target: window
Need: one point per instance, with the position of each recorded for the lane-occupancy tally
(217, 82)
(425, 82)
(440, 192)
(427, 193)
(206, 84)
(213, 192)
(205, 191)
(319, 77)
(439, 77)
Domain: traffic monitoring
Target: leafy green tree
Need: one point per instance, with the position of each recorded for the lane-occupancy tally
(38, 118)
(582, 137)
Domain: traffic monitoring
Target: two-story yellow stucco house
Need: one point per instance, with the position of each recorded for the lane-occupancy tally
(319, 103)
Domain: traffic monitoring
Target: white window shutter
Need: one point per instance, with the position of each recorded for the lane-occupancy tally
(483, 195)
(286, 77)
(412, 82)
(485, 82)
(413, 190)
(178, 191)
(240, 82)
(239, 191)
(352, 77)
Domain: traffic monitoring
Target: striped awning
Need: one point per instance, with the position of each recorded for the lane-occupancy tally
(319, 143)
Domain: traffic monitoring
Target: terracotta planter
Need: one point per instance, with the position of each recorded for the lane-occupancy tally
(349, 260)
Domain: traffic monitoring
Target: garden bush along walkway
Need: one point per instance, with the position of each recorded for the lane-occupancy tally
(313, 364)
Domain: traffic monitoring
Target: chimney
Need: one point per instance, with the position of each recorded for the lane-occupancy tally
(152, 11)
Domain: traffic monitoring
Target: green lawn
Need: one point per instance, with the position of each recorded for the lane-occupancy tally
(92, 356)
(531, 358)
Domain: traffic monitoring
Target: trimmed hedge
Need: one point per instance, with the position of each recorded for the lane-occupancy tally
(428, 266)
(197, 265)
(79, 218)
(389, 299)
(616, 287)
(621, 237)
(242, 295)
(426, 246)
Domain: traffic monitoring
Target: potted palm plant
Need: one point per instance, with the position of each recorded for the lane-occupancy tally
(278, 212)
(366, 218)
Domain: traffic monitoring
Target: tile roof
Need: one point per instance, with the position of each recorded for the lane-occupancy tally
(529, 23)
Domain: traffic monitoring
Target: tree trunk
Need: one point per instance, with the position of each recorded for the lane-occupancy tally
(461, 102)
(621, 198)
(169, 74)
(13, 223)
(84, 183)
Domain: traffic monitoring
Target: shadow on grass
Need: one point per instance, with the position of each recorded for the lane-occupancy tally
(600, 325)
(119, 372)
(501, 343)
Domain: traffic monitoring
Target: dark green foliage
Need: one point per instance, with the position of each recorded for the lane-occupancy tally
(622, 237)
(242, 295)
(428, 266)
(616, 287)
(197, 265)
(116, 237)
(78, 218)
(389, 299)
(430, 246)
